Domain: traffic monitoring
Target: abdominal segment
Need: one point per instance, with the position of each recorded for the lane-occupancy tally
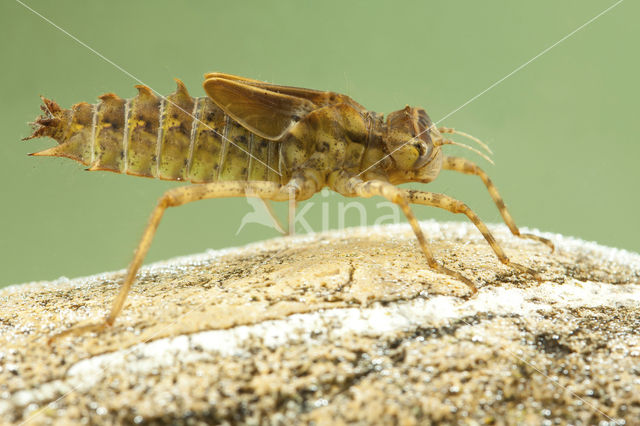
(178, 138)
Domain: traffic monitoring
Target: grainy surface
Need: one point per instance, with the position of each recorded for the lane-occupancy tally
(341, 327)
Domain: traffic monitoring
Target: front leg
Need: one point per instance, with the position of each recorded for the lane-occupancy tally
(454, 206)
(465, 166)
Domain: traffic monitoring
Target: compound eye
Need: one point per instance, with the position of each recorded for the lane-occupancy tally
(424, 151)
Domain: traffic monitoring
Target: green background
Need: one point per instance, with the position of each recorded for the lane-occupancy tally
(564, 129)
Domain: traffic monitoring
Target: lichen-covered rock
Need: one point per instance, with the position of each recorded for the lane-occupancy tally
(336, 328)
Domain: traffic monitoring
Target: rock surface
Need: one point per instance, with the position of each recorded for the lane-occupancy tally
(334, 328)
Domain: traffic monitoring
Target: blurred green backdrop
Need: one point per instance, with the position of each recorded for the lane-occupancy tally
(563, 129)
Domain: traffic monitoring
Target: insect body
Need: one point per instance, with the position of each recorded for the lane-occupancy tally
(250, 138)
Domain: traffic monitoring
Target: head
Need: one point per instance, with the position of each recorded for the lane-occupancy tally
(412, 142)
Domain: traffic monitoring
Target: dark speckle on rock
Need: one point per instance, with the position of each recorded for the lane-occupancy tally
(343, 327)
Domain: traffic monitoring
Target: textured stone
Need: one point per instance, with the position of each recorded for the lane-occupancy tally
(341, 327)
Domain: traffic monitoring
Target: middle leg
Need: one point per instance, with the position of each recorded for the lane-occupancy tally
(355, 186)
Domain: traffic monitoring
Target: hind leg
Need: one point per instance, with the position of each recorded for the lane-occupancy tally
(173, 198)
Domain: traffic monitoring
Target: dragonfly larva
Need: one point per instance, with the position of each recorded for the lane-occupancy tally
(279, 143)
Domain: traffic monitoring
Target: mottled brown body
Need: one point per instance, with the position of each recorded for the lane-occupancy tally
(177, 138)
(193, 139)
(250, 138)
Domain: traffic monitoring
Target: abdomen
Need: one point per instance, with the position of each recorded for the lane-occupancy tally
(174, 138)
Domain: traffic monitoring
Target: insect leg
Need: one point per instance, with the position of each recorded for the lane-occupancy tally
(395, 195)
(292, 212)
(272, 214)
(465, 166)
(454, 206)
(302, 185)
(173, 198)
